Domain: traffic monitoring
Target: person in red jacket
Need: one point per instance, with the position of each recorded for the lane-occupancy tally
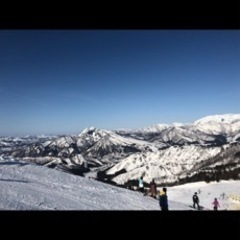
(215, 204)
(153, 189)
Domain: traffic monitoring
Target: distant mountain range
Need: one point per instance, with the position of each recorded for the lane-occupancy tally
(207, 149)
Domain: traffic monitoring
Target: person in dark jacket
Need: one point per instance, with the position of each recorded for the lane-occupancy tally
(153, 189)
(195, 200)
(163, 200)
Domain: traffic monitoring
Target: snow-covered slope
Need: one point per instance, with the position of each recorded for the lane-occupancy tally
(176, 164)
(10, 143)
(228, 124)
(217, 130)
(113, 147)
(155, 128)
(26, 186)
(224, 118)
(207, 192)
(164, 165)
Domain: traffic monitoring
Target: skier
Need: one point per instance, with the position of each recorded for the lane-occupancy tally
(215, 204)
(163, 200)
(153, 189)
(140, 184)
(195, 200)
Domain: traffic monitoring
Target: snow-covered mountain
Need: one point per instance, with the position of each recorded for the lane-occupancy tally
(170, 153)
(11, 142)
(93, 146)
(179, 164)
(214, 130)
(112, 147)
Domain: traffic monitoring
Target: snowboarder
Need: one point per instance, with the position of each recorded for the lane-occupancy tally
(153, 189)
(163, 200)
(215, 204)
(195, 200)
(141, 184)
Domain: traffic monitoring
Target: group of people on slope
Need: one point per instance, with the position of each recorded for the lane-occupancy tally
(195, 198)
(163, 198)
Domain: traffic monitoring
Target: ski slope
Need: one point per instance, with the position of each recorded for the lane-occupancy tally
(207, 192)
(27, 186)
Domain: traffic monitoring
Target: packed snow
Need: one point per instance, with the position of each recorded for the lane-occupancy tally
(224, 191)
(27, 186)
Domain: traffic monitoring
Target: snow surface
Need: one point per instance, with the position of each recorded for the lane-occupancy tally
(27, 186)
(207, 192)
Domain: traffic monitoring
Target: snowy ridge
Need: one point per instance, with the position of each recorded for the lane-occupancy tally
(228, 124)
(163, 165)
(224, 118)
(154, 128)
(93, 134)
(114, 147)
(63, 142)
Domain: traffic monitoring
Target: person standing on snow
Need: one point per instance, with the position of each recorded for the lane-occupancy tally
(215, 204)
(195, 200)
(163, 200)
(141, 184)
(153, 189)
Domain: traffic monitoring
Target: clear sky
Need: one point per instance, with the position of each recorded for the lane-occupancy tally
(62, 81)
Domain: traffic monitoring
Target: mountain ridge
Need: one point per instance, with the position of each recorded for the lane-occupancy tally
(163, 152)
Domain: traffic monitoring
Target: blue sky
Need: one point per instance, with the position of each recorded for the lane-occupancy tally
(62, 81)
